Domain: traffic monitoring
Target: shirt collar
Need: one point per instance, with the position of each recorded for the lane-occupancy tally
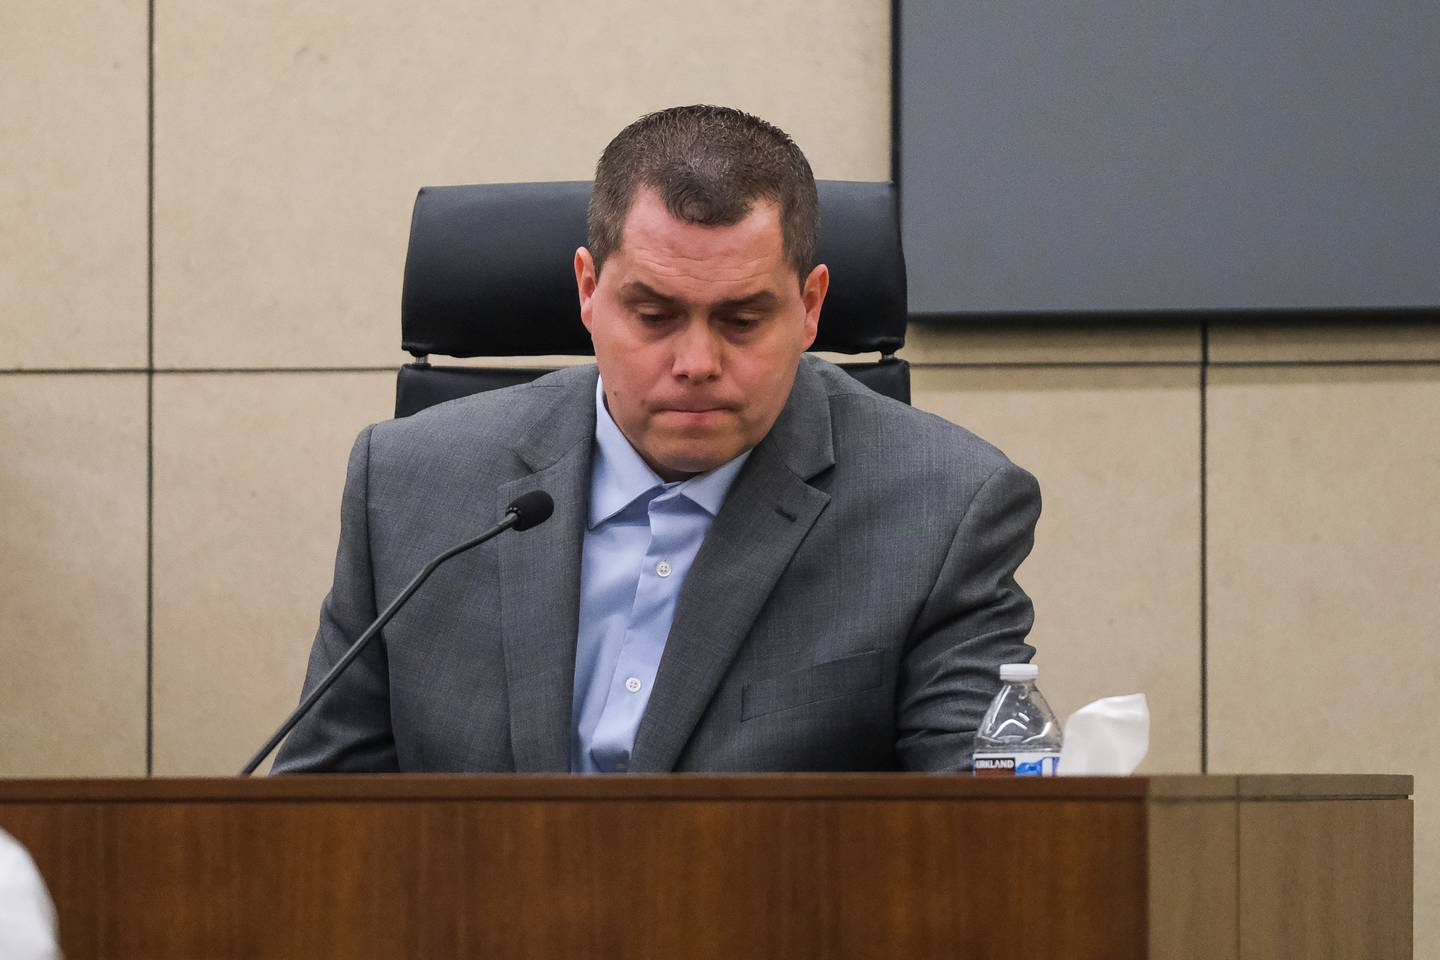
(620, 476)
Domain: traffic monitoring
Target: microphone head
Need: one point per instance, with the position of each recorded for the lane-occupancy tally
(531, 509)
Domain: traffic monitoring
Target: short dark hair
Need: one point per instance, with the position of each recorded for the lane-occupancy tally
(709, 165)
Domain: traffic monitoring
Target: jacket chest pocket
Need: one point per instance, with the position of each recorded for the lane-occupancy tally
(824, 681)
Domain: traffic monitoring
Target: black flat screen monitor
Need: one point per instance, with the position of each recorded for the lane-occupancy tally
(1115, 156)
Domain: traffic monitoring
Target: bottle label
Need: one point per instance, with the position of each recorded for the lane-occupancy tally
(1043, 764)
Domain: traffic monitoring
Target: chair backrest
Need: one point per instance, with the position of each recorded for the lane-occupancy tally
(488, 274)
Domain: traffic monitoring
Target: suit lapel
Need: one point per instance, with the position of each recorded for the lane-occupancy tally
(767, 514)
(540, 581)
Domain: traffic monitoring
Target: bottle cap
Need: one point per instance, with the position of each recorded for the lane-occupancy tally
(1019, 671)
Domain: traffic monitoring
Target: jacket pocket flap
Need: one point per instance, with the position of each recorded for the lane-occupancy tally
(824, 681)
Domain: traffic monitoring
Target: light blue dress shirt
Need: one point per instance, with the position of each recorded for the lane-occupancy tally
(640, 540)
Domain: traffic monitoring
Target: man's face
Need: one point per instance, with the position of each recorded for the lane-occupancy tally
(698, 332)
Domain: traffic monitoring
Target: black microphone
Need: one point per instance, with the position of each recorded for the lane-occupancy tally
(529, 509)
(526, 511)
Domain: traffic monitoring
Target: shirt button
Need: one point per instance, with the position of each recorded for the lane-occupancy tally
(633, 684)
(663, 568)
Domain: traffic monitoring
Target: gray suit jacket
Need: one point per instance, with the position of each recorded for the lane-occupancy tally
(848, 609)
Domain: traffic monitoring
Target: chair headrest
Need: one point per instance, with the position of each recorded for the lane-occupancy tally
(489, 270)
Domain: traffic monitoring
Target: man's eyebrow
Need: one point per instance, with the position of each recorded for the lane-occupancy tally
(636, 290)
(755, 301)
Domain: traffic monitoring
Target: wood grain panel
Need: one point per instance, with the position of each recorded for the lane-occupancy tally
(1192, 881)
(612, 878)
(1327, 880)
(630, 786)
(1324, 786)
(823, 866)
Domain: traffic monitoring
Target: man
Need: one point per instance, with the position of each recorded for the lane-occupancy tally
(755, 563)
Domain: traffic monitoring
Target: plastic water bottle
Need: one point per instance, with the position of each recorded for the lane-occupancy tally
(1019, 735)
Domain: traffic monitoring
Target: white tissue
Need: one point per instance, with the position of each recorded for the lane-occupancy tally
(1106, 738)
(27, 917)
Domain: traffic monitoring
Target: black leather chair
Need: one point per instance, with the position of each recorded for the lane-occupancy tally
(489, 274)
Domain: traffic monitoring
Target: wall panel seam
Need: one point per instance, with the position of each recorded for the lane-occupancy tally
(1434, 362)
(1049, 364)
(150, 392)
(1204, 550)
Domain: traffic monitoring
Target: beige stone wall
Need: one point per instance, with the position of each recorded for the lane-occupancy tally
(1252, 540)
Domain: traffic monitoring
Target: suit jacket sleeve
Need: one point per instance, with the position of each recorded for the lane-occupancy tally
(349, 727)
(975, 619)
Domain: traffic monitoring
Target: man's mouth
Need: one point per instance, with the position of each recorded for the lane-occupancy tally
(696, 417)
(693, 408)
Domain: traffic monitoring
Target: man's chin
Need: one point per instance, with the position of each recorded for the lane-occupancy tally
(683, 462)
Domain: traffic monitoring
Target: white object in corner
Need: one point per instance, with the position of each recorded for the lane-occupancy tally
(27, 916)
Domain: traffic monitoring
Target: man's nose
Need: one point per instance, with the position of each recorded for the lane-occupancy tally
(697, 352)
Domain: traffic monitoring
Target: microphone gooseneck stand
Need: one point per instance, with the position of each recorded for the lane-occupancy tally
(527, 511)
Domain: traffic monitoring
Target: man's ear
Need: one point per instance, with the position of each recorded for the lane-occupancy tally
(586, 279)
(813, 295)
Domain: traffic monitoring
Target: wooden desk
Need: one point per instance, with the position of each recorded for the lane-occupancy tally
(810, 866)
